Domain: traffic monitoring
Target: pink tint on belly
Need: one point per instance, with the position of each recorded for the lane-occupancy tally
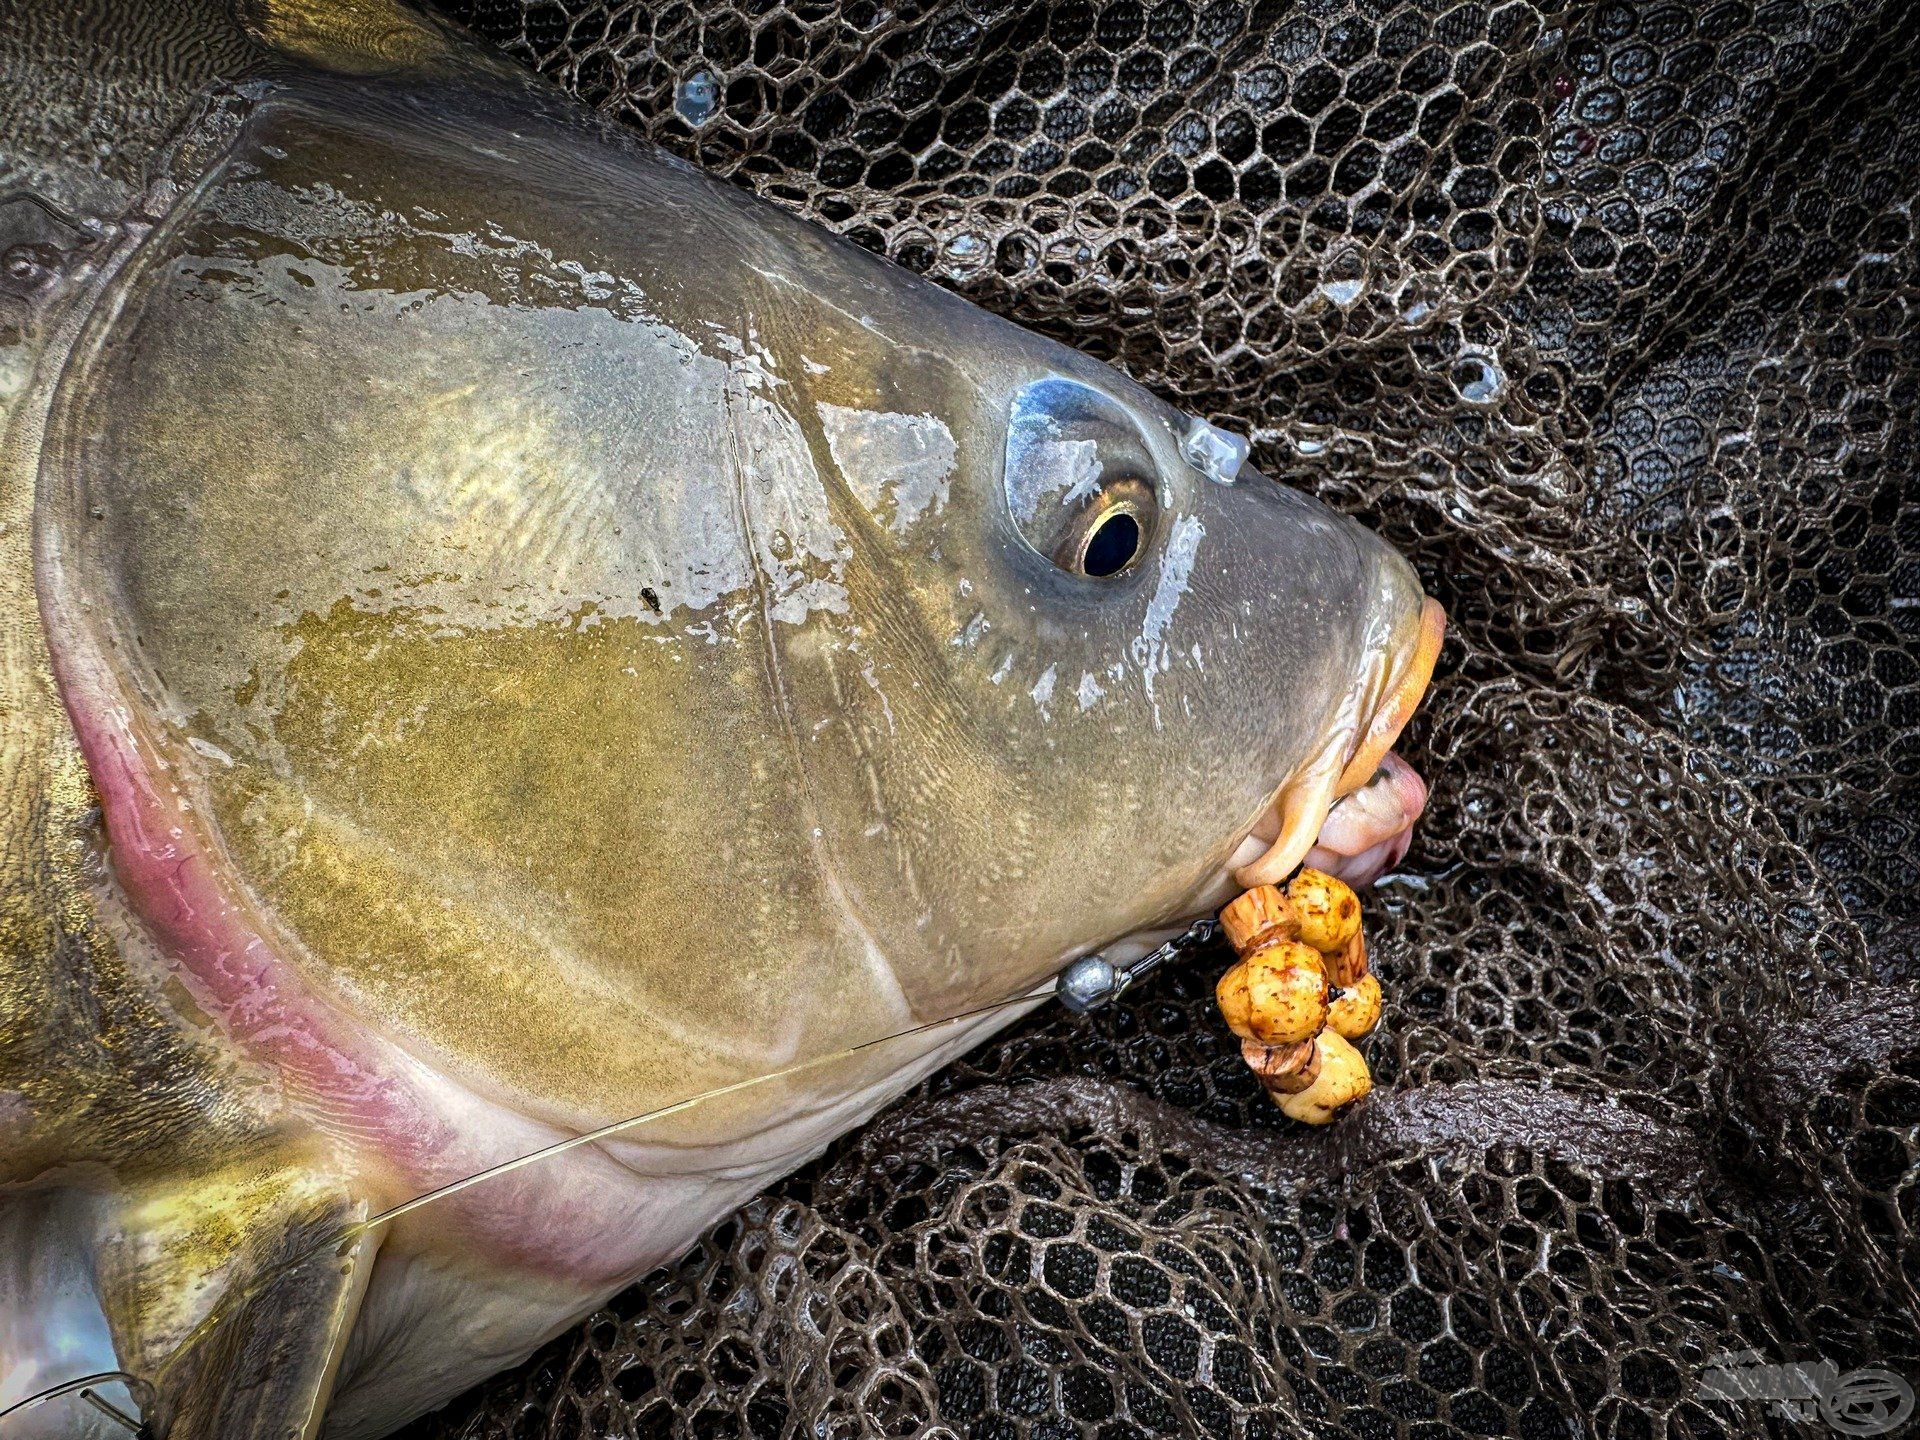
(583, 1216)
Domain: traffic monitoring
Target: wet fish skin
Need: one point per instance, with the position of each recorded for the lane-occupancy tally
(507, 632)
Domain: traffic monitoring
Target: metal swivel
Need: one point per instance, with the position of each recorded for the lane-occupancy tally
(1093, 982)
(1089, 983)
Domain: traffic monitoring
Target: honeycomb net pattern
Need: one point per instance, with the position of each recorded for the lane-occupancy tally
(1604, 314)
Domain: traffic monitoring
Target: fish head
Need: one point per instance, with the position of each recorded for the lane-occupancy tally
(1099, 671)
(610, 638)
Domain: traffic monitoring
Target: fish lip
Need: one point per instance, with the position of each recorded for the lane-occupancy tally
(1404, 692)
(1355, 842)
(1299, 804)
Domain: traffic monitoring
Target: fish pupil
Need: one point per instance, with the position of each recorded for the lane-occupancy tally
(1112, 546)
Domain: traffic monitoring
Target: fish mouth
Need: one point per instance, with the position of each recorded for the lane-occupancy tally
(1350, 810)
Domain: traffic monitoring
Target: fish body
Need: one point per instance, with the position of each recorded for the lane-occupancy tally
(504, 633)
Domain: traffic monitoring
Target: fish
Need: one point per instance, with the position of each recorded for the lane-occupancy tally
(502, 632)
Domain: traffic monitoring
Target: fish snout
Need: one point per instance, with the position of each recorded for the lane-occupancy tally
(1350, 810)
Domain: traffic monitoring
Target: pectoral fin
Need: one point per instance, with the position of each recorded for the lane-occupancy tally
(234, 1298)
(265, 1369)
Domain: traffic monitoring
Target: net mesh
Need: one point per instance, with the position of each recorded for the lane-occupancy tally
(1603, 314)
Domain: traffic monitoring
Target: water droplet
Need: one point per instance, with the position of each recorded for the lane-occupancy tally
(1217, 454)
(21, 264)
(1342, 292)
(696, 98)
(1478, 379)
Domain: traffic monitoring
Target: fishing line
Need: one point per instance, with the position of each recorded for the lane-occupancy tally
(83, 1385)
(1087, 984)
(109, 1409)
(560, 1147)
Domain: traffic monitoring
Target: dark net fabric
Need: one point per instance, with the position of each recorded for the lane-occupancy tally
(1605, 315)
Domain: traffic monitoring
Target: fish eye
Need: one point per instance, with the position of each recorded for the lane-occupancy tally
(1081, 484)
(1112, 546)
